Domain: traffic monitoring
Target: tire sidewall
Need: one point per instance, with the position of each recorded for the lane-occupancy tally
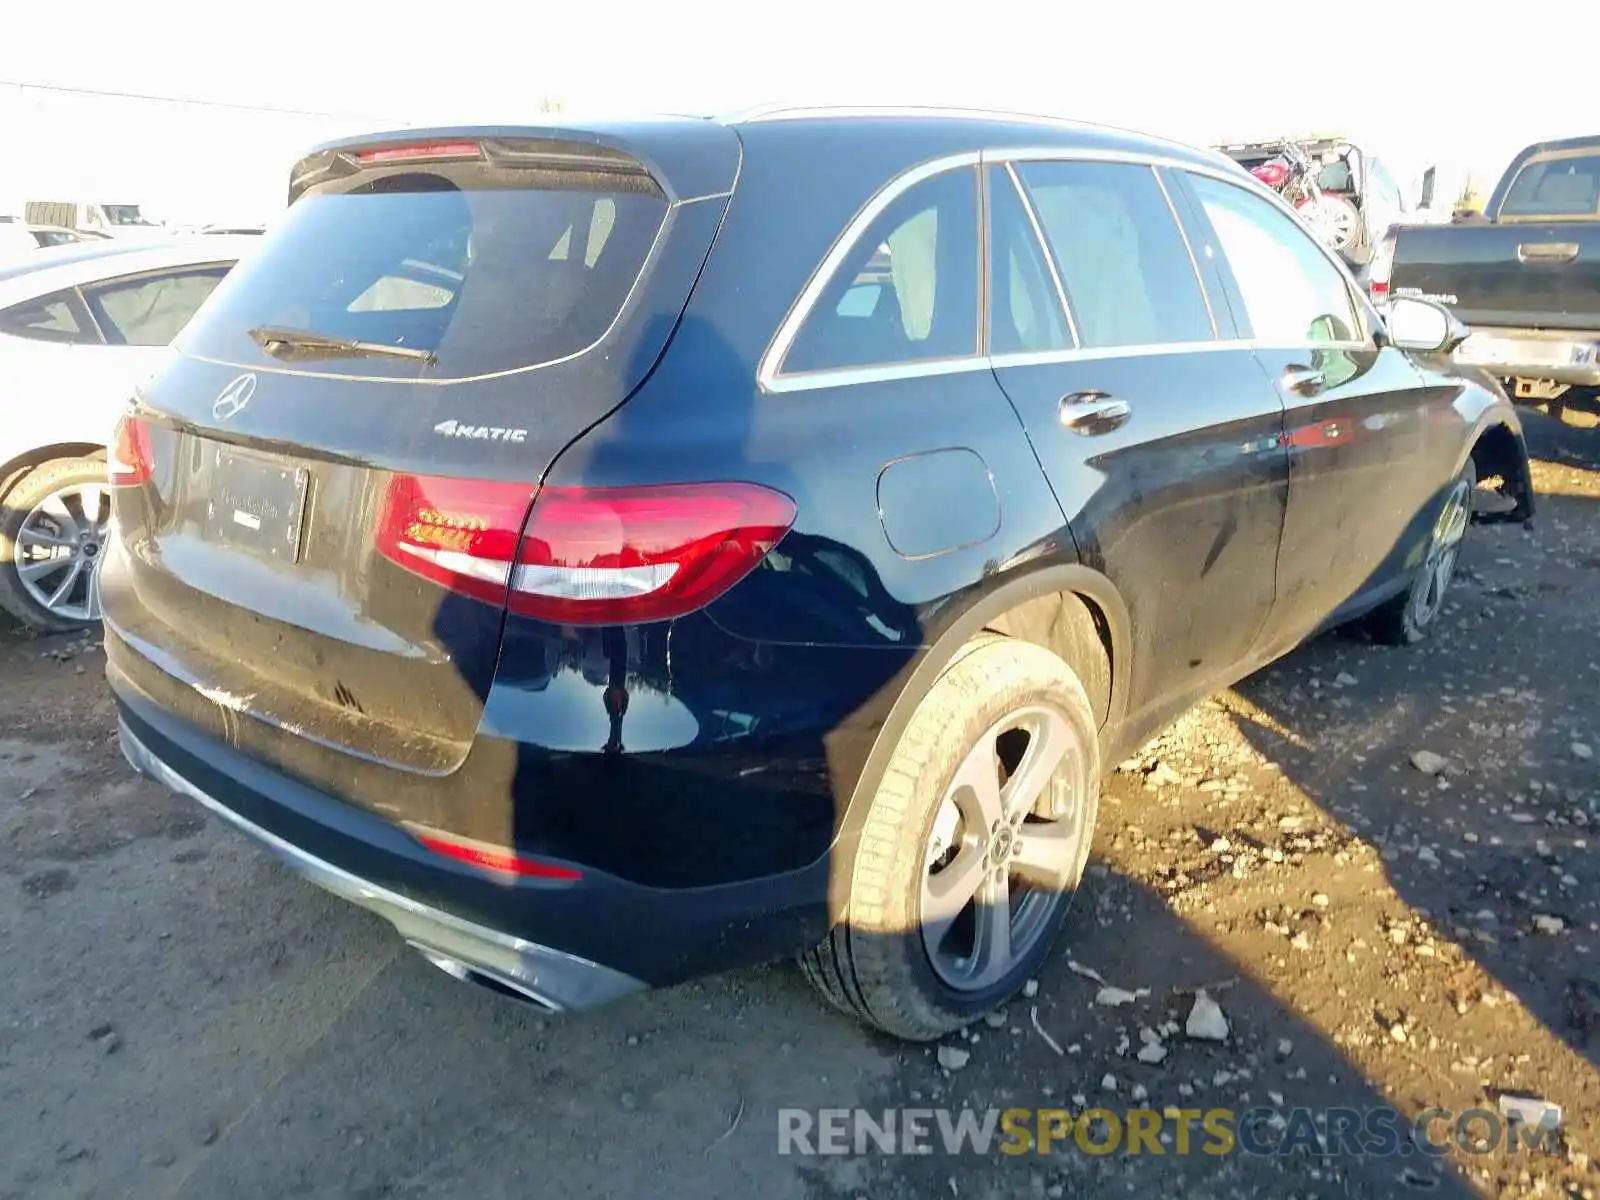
(20, 500)
(1042, 679)
(1415, 631)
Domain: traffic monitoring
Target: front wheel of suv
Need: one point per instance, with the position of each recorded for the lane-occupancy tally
(1411, 616)
(973, 847)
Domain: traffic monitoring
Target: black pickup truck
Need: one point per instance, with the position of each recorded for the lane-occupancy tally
(1525, 277)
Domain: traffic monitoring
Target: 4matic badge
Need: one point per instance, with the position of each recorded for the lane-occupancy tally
(482, 433)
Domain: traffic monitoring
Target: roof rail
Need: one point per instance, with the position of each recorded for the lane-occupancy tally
(795, 112)
(753, 112)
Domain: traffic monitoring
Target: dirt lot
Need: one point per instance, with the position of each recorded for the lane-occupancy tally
(181, 1017)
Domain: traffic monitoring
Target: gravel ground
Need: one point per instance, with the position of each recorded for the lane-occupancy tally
(1376, 862)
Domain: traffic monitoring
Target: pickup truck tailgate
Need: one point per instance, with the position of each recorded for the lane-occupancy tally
(1543, 276)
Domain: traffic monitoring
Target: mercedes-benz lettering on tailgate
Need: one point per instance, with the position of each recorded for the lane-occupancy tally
(623, 553)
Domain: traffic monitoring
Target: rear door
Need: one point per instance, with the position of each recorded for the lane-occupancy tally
(1357, 413)
(40, 339)
(1155, 427)
(343, 454)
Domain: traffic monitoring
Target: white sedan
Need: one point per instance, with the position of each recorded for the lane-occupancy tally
(18, 239)
(80, 327)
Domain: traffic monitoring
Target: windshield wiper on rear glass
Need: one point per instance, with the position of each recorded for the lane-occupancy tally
(277, 342)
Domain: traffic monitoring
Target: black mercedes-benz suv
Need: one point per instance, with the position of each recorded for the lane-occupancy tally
(623, 552)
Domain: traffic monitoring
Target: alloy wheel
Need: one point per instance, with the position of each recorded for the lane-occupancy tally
(58, 550)
(1444, 547)
(1005, 849)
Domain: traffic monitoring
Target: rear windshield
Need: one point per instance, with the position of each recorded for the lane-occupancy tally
(1555, 187)
(469, 264)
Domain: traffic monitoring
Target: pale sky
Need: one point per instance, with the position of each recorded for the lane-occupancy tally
(1419, 81)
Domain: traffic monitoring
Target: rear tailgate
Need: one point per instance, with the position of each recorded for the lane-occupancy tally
(1537, 265)
(293, 510)
(1524, 275)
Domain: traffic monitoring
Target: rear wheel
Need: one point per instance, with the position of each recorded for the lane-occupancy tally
(972, 850)
(1411, 616)
(52, 531)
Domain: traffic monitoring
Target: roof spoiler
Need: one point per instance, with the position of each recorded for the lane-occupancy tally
(684, 159)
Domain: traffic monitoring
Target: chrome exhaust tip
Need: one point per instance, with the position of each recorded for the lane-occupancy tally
(492, 980)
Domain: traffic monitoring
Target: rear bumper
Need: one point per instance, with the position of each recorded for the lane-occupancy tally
(567, 945)
(1571, 358)
(549, 977)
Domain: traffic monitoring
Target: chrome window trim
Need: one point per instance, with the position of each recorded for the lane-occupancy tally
(1263, 344)
(768, 372)
(1230, 173)
(1363, 313)
(771, 379)
(1143, 158)
(1092, 353)
(808, 381)
(1044, 249)
(805, 381)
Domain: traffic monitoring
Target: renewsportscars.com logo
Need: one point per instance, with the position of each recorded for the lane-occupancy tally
(483, 433)
(1380, 1132)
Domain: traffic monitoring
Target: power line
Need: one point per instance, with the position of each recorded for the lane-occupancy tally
(259, 108)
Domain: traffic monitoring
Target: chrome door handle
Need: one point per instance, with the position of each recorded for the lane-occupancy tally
(1091, 413)
(1304, 381)
(1547, 252)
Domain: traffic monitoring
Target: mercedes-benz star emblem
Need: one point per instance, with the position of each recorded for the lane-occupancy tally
(234, 397)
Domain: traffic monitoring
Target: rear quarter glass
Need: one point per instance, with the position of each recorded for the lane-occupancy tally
(488, 269)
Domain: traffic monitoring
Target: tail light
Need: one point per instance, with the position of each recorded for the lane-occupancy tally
(1381, 269)
(417, 151)
(460, 533)
(588, 556)
(129, 460)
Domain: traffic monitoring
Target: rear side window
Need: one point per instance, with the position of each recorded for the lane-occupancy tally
(59, 317)
(1292, 294)
(1025, 312)
(487, 268)
(1556, 187)
(908, 289)
(1129, 278)
(151, 310)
